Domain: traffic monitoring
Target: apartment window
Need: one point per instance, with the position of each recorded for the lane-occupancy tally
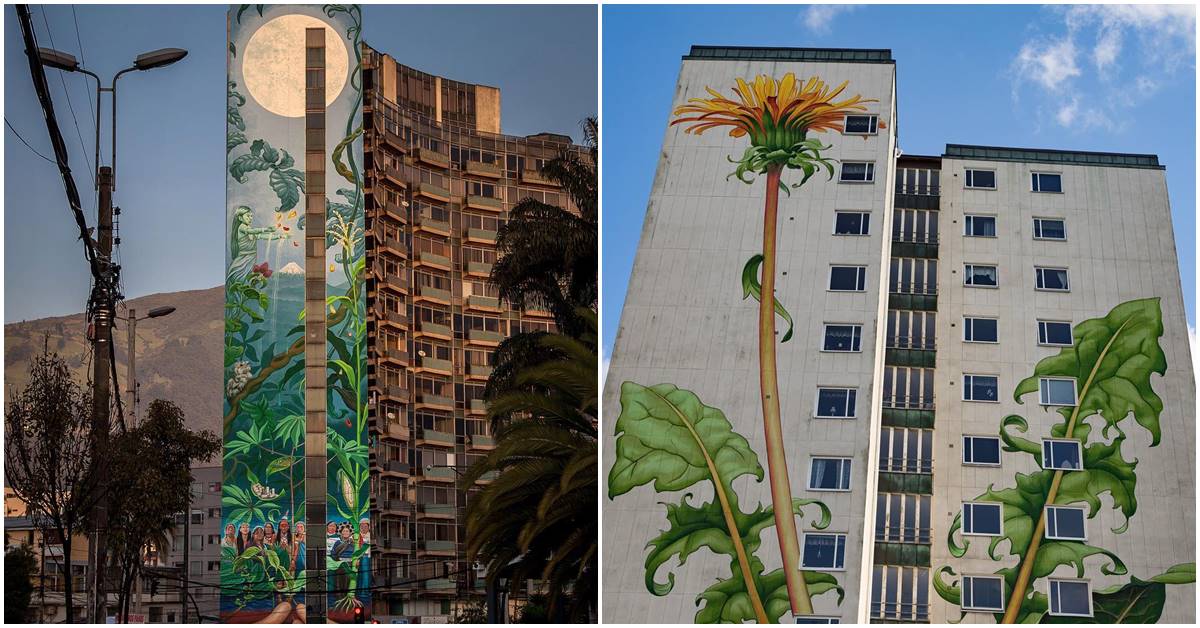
(919, 181)
(1054, 333)
(1054, 279)
(852, 223)
(836, 403)
(1061, 454)
(858, 172)
(977, 329)
(197, 568)
(912, 275)
(905, 450)
(908, 388)
(1049, 229)
(197, 542)
(983, 593)
(843, 338)
(981, 275)
(900, 593)
(980, 226)
(981, 388)
(919, 226)
(848, 278)
(985, 179)
(811, 619)
(824, 552)
(1054, 391)
(829, 474)
(1047, 182)
(1070, 598)
(902, 518)
(911, 329)
(981, 450)
(861, 125)
(981, 519)
(1064, 523)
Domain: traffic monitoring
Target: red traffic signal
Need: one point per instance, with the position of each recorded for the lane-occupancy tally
(358, 615)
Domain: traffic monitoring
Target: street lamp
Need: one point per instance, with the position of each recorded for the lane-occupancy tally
(132, 320)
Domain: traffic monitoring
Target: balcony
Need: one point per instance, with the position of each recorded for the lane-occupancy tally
(912, 244)
(398, 393)
(479, 370)
(440, 474)
(395, 506)
(437, 193)
(435, 401)
(479, 269)
(433, 294)
(396, 430)
(439, 585)
(907, 351)
(396, 281)
(432, 225)
(536, 178)
(481, 441)
(479, 302)
(433, 158)
(435, 330)
(480, 169)
(393, 245)
(481, 236)
(395, 318)
(396, 466)
(442, 511)
(433, 259)
(393, 210)
(485, 203)
(393, 354)
(482, 336)
(396, 544)
(434, 364)
(394, 176)
(434, 437)
(912, 296)
(477, 406)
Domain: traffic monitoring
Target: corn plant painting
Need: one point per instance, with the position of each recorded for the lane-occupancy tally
(667, 437)
(1111, 361)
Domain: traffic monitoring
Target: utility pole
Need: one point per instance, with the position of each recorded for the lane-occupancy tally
(187, 563)
(103, 301)
(131, 357)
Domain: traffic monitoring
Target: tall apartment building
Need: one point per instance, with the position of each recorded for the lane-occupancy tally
(988, 382)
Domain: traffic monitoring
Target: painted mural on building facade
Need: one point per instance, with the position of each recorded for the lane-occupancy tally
(1110, 363)
(669, 438)
(264, 570)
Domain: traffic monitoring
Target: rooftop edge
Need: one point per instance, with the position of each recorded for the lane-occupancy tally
(757, 53)
(1052, 156)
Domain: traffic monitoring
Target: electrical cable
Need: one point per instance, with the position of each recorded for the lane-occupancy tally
(70, 108)
(35, 151)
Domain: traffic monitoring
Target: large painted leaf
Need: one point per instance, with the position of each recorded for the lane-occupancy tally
(727, 602)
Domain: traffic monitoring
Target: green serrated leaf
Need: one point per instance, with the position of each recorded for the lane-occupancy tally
(752, 288)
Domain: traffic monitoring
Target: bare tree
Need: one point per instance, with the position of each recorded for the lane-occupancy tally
(48, 455)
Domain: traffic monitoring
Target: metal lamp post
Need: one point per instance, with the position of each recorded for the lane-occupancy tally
(131, 327)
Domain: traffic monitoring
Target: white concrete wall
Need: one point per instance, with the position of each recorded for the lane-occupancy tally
(685, 322)
(1119, 247)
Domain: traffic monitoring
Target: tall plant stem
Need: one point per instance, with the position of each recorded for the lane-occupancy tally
(781, 488)
(1018, 593)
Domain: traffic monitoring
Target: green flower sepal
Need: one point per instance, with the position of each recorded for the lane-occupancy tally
(803, 155)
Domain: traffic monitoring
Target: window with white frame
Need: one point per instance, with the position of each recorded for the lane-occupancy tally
(980, 329)
(839, 337)
(836, 403)
(917, 226)
(1070, 598)
(977, 226)
(861, 125)
(982, 519)
(1062, 454)
(912, 275)
(981, 450)
(902, 518)
(983, 593)
(852, 223)
(847, 278)
(1049, 229)
(907, 387)
(1056, 391)
(905, 450)
(1052, 279)
(1065, 523)
(900, 593)
(984, 179)
(829, 474)
(911, 329)
(981, 388)
(1047, 182)
(858, 172)
(1055, 333)
(824, 552)
(981, 275)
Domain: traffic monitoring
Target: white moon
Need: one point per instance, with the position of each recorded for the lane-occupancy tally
(273, 64)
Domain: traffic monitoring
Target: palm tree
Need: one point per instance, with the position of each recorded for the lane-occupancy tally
(537, 519)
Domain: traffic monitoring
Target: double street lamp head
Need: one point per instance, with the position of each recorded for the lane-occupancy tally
(58, 60)
(160, 311)
(67, 62)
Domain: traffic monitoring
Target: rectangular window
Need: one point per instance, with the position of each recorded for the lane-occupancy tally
(981, 450)
(1054, 279)
(1062, 455)
(912, 275)
(852, 223)
(981, 519)
(902, 518)
(1049, 229)
(843, 338)
(983, 593)
(984, 179)
(1071, 598)
(980, 226)
(858, 171)
(918, 226)
(1064, 523)
(861, 125)
(1054, 391)
(829, 474)
(900, 593)
(911, 329)
(1047, 182)
(981, 275)
(824, 552)
(905, 450)
(1054, 333)
(836, 403)
(907, 388)
(981, 388)
(980, 329)
(848, 278)
(811, 619)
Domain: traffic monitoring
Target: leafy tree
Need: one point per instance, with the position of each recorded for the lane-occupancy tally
(20, 566)
(48, 453)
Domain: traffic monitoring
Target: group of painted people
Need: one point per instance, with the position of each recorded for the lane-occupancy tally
(285, 541)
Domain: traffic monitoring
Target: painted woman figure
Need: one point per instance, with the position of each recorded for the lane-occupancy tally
(364, 563)
(243, 538)
(230, 538)
(259, 537)
(344, 547)
(284, 537)
(269, 538)
(331, 537)
(299, 546)
(243, 242)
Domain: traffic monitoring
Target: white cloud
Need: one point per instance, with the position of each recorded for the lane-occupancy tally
(819, 17)
(1049, 64)
(1067, 112)
(1108, 46)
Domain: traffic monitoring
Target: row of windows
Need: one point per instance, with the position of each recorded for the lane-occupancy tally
(1052, 391)
(913, 225)
(984, 226)
(1063, 523)
(837, 402)
(983, 329)
(1046, 278)
(976, 179)
(1068, 597)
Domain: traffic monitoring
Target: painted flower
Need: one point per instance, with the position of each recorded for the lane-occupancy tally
(263, 269)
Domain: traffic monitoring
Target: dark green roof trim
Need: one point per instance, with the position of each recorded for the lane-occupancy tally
(752, 53)
(1042, 155)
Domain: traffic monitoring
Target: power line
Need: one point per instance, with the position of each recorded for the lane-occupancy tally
(83, 62)
(35, 151)
(70, 108)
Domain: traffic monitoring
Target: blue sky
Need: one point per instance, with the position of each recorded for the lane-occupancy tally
(172, 127)
(1106, 78)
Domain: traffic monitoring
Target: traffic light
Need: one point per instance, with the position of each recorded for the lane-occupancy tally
(359, 616)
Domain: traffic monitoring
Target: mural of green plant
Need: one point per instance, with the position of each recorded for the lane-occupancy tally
(1111, 361)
